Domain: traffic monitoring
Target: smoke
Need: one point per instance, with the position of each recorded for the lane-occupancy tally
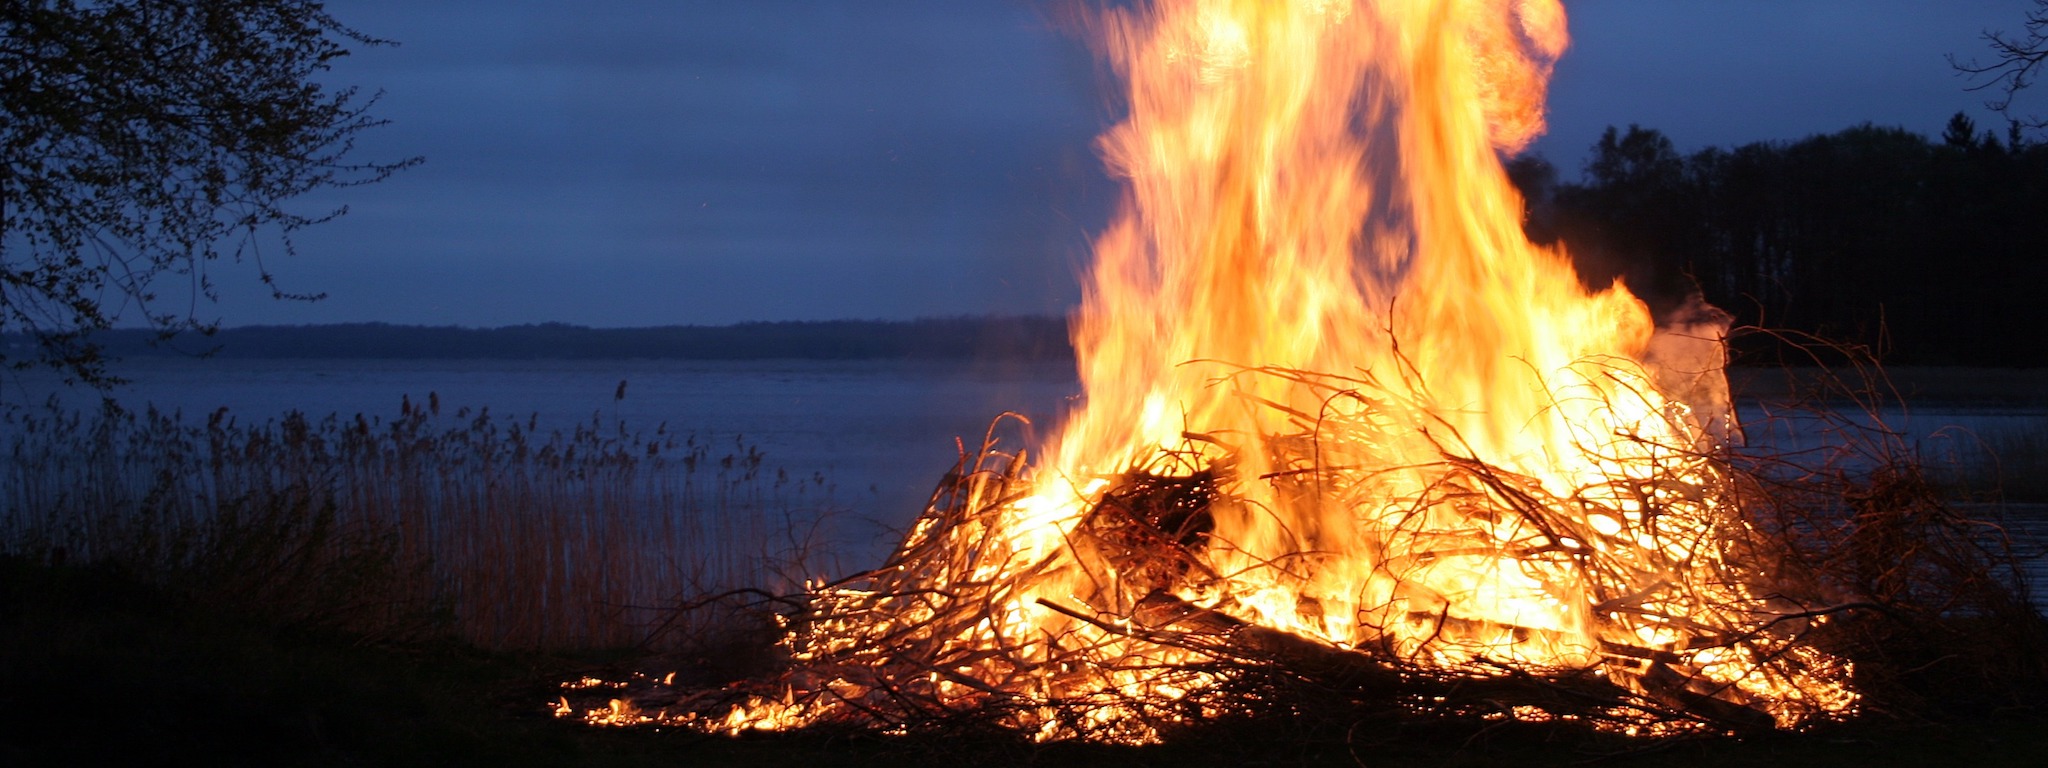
(1688, 358)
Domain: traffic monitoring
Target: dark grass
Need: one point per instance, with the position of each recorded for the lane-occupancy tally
(100, 668)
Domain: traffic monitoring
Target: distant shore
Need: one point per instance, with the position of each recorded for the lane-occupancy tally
(1911, 384)
(1029, 339)
(1004, 338)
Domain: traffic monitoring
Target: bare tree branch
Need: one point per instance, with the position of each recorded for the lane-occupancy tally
(2016, 61)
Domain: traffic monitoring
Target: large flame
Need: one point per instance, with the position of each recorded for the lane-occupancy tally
(1426, 441)
(1316, 186)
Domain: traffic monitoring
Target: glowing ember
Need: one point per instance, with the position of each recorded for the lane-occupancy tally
(1342, 418)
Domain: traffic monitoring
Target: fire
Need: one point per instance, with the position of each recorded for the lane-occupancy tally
(1339, 411)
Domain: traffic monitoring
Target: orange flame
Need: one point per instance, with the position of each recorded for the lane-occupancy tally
(1429, 440)
(1317, 186)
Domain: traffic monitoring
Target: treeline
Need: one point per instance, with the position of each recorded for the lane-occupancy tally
(1005, 338)
(1928, 251)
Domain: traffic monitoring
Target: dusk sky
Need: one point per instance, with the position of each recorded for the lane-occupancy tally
(654, 162)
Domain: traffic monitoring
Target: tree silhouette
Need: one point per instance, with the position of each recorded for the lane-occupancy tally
(1927, 251)
(1634, 217)
(143, 140)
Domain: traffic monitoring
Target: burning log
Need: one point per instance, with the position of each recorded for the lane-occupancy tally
(1168, 620)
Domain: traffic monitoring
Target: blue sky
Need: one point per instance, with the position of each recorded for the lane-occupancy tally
(653, 162)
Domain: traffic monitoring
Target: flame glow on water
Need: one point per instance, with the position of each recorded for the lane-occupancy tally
(1430, 442)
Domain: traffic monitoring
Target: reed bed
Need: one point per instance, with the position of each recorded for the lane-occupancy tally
(491, 529)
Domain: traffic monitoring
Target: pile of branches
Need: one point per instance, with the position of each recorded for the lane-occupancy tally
(1868, 565)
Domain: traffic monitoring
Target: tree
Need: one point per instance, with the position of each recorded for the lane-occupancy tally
(143, 141)
(2016, 60)
(1633, 218)
(1961, 132)
(1642, 157)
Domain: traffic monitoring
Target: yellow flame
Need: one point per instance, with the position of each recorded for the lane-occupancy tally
(1440, 446)
(1316, 186)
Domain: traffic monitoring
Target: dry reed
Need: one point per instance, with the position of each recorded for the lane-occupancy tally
(489, 528)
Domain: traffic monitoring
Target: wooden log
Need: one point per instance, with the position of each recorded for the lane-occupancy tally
(1720, 704)
(1286, 651)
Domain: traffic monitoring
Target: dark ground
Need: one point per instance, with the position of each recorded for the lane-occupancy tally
(98, 668)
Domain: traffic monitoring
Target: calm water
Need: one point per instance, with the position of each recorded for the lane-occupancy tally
(882, 433)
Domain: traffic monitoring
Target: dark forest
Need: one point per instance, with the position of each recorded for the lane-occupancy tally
(1924, 251)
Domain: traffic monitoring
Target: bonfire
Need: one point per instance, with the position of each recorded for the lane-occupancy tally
(1347, 435)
